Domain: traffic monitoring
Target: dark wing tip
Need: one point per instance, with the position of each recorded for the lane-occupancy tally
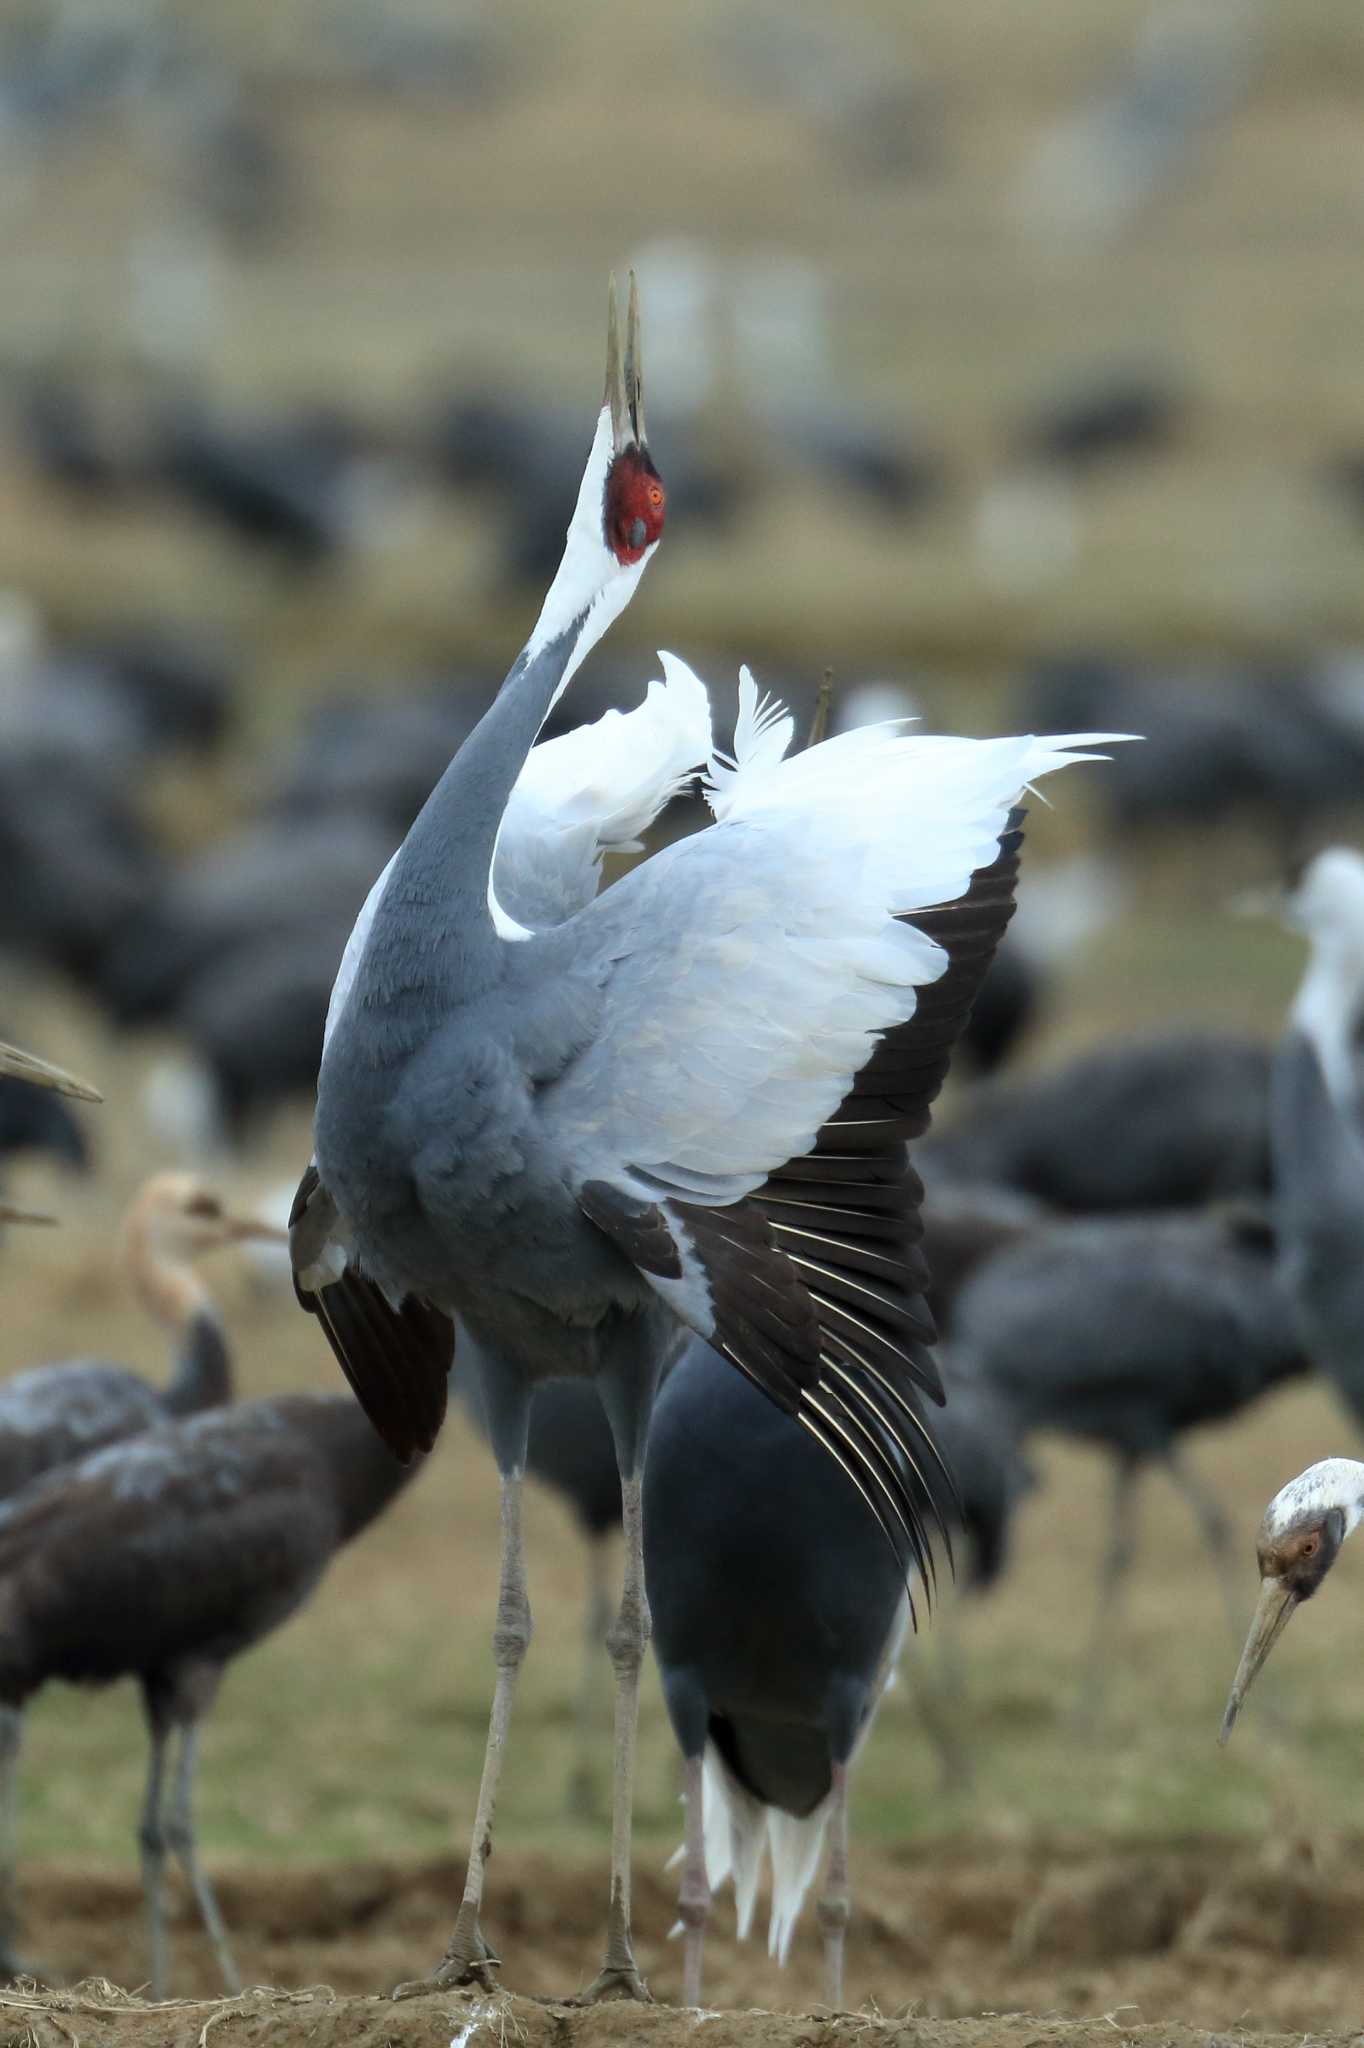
(397, 1361)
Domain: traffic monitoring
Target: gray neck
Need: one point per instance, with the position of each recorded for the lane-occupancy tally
(203, 1367)
(433, 931)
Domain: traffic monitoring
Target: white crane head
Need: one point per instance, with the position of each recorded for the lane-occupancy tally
(1327, 902)
(618, 519)
(1299, 1540)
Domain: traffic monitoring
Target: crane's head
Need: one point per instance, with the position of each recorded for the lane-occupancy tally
(1299, 1540)
(1327, 898)
(618, 519)
(633, 501)
(181, 1216)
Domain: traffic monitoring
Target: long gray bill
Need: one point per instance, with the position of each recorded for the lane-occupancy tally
(25, 1066)
(1272, 1612)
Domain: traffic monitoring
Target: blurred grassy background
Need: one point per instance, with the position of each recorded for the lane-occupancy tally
(433, 233)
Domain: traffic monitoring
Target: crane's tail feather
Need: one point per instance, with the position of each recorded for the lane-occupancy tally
(742, 1834)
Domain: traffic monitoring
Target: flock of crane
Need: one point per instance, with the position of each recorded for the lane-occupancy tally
(628, 1168)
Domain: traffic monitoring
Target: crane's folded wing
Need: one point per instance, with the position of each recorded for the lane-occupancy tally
(397, 1360)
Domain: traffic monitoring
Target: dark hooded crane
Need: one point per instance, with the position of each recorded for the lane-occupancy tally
(1317, 1124)
(681, 1101)
(162, 1560)
(778, 1610)
(1299, 1540)
(51, 1414)
(1127, 1332)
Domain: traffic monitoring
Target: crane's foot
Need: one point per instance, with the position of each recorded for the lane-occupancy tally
(617, 1980)
(468, 1960)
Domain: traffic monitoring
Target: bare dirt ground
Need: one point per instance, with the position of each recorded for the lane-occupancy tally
(1200, 1933)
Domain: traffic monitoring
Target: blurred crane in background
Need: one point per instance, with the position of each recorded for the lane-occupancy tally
(1127, 1332)
(163, 1559)
(50, 1414)
(1317, 1123)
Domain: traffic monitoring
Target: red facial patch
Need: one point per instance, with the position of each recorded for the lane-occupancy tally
(634, 507)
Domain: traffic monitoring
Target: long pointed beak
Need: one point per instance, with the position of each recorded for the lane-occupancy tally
(252, 1230)
(10, 1215)
(1272, 1611)
(624, 376)
(25, 1066)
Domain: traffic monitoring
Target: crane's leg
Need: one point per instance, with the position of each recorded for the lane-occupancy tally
(582, 1795)
(468, 1959)
(693, 1899)
(835, 1901)
(152, 1835)
(11, 1735)
(934, 1676)
(626, 1640)
(180, 1840)
(1117, 1561)
(1211, 1518)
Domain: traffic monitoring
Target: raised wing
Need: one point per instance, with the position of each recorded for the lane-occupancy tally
(397, 1360)
(784, 992)
(594, 791)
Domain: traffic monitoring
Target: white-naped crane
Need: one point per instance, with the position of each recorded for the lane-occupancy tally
(50, 1414)
(681, 1101)
(1299, 1540)
(1316, 1122)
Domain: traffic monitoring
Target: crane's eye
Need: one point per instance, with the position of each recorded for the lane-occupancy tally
(207, 1208)
(655, 495)
(1311, 1545)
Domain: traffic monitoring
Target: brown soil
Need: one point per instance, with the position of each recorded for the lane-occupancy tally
(1147, 1942)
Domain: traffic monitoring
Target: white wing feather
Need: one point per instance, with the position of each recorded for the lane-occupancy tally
(589, 792)
(753, 961)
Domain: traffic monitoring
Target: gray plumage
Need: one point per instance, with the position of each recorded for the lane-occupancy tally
(680, 1105)
(1317, 1123)
(163, 1559)
(1127, 1332)
(776, 1606)
(1163, 1122)
(52, 1414)
(1319, 1209)
(1130, 1330)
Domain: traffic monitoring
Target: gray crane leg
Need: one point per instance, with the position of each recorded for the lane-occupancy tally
(935, 1679)
(835, 1901)
(179, 1834)
(627, 1640)
(693, 1899)
(152, 1843)
(582, 1790)
(468, 1959)
(11, 1735)
(1117, 1562)
(1211, 1518)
